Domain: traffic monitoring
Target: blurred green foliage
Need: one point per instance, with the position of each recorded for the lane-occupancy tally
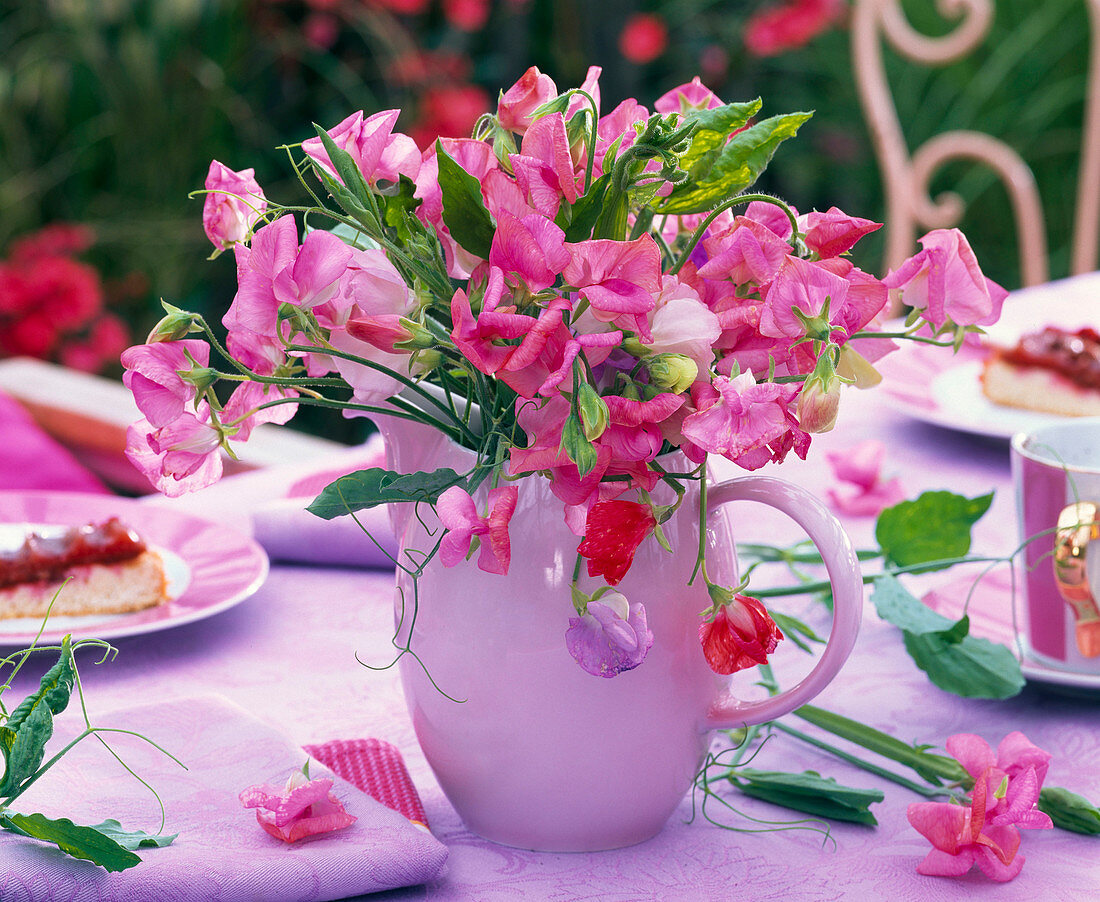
(111, 110)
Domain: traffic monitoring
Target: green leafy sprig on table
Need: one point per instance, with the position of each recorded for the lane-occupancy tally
(932, 532)
(25, 732)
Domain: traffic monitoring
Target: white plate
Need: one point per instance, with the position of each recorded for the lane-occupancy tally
(930, 385)
(210, 567)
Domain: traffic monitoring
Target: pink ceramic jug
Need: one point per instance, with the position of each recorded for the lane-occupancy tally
(538, 753)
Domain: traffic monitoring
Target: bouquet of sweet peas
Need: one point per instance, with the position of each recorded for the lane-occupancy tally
(571, 292)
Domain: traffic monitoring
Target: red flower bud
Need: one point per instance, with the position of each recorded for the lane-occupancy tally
(740, 635)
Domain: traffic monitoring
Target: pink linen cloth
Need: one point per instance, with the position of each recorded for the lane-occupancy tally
(221, 852)
(30, 459)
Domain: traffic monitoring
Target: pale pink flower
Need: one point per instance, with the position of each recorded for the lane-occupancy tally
(834, 232)
(302, 808)
(519, 102)
(620, 279)
(946, 284)
(611, 637)
(234, 207)
(590, 86)
(749, 423)
(680, 323)
(529, 251)
(687, 97)
(179, 457)
(370, 141)
(153, 376)
(861, 467)
(458, 513)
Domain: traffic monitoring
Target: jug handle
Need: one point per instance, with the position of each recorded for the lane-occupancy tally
(843, 568)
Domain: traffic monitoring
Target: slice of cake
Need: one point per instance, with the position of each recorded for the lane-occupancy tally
(108, 568)
(1052, 370)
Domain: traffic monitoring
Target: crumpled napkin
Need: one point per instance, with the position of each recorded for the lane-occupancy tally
(30, 459)
(221, 852)
(271, 504)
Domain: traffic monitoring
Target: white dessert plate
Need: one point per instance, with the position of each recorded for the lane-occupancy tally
(210, 567)
(930, 385)
(991, 617)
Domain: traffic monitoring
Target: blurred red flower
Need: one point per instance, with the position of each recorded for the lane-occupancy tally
(466, 15)
(790, 25)
(449, 111)
(51, 305)
(644, 38)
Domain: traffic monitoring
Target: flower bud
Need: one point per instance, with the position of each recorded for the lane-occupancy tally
(577, 446)
(673, 372)
(177, 324)
(202, 377)
(594, 414)
(1069, 811)
(818, 404)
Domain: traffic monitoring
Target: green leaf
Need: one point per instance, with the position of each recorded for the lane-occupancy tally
(29, 727)
(897, 605)
(736, 168)
(133, 839)
(587, 210)
(87, 843)
(346, 167)
(971, 668)
(710, 137)
(369, 488)
(463, 207)
(1069, 811)
(809, 792)
(954, 660)
(933, 527)
(398, 209)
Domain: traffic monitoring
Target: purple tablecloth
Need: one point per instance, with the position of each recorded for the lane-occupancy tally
(288, 655)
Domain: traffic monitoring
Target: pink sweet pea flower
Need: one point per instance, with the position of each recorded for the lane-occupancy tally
(687, 97)
(771, 216)
(234, 207)
(946, 284)
(182, 456)
(529, 251)
(302, 808)
(544, 166)
(747, 252)
(834, 232)
(519, 102)
(152, 374)
(314, 276)
(748, 423)
(619, 279)
(1004, 798)
(861, 467)
(377, 152)
(241, 410)
(459, 515)
(804, 286)
(611, 637)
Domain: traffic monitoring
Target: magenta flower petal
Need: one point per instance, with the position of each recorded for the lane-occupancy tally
(303, 808)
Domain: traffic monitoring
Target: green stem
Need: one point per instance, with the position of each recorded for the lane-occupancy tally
(927, 791)
(909, 336)
(700, 230)
(927, 566)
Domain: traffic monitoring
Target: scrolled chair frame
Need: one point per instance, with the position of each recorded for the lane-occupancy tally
(907, 176)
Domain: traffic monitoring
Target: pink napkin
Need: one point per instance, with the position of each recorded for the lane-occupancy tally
(221, 852)
(30, 459)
